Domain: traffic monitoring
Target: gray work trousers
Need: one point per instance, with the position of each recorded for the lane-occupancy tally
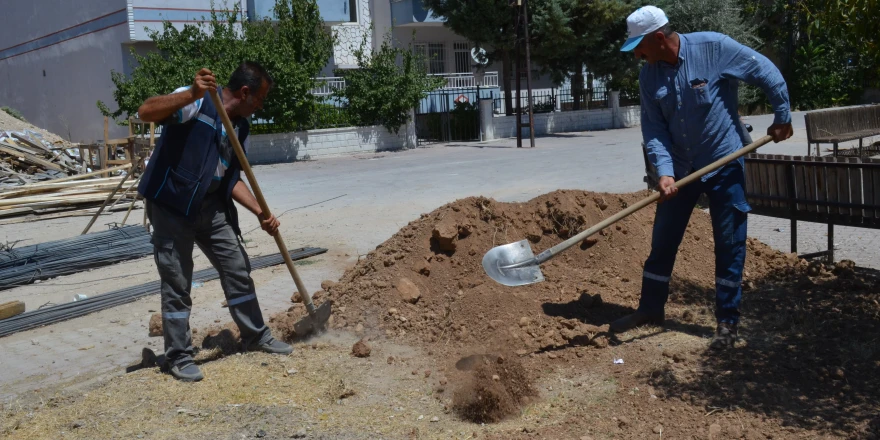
(173, 239)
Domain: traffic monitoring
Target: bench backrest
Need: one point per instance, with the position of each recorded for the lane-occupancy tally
(830, 123)
(827, 187)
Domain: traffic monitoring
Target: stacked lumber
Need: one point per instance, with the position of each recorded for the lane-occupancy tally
(63, 194)
(25, 158)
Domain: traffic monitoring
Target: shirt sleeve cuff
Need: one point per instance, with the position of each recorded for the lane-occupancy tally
(665, 170)
(783, 116)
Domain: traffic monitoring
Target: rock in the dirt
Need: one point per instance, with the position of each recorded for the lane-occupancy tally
(296, 297)
(422, 267)
(524, 321)
(845, 269)
(408, 291)
(599, 342)
(622, 421)
(445, 234)
(300, 434)
(361, 349)
(359, 329)
(658, 429)
(260, 434)
(156, 325)
(715, 432)
(328, 285)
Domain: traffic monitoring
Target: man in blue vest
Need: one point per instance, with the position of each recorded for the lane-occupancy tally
(689, 120)
(189, 185)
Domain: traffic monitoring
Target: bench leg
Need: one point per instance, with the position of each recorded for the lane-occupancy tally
(860, 147)
(794, 236)
(830, 243)
(835, 150)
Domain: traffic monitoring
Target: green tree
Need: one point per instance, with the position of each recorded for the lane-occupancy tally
(293, 46)
(488, 24)
(723, 16)
(569, 35)
(387, 84)
(852, 22)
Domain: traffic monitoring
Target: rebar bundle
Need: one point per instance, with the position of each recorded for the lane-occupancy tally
(63, 312)
(24, 265)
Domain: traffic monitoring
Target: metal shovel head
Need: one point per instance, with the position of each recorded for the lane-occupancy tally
(498, 257)
(316, 322)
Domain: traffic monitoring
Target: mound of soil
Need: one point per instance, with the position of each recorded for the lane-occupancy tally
(426, 283)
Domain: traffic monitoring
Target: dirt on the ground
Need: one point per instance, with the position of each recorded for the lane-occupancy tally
(10, 123)
(538, 361)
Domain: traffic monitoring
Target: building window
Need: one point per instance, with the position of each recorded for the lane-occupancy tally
(434, 54)
(462, 57)
(353, 10)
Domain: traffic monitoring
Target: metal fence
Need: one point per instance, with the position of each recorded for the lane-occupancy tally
(555, 100)
(450, 115)
(329, 112)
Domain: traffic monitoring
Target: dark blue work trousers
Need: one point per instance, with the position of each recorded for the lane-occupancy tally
(728, 209)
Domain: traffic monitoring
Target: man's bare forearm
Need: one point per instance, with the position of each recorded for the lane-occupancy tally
(242, 194)
(159, 108)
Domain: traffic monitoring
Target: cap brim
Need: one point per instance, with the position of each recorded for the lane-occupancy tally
(631, 43)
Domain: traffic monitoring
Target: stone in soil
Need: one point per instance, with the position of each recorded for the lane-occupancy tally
(361, 349)
(156, 325)
(408, 291)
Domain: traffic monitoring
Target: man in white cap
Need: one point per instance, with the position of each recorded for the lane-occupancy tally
(689, 120)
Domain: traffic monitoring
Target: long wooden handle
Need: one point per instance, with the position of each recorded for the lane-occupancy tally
(258, 193)
(550, 253)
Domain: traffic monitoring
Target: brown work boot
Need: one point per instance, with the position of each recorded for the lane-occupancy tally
(725, 336)
(636, 319)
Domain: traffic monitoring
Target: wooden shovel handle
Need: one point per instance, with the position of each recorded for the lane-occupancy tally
(258, 193)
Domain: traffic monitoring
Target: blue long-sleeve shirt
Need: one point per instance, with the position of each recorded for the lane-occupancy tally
(689, 111)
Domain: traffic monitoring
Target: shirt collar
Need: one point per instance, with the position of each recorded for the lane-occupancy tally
(682, 49)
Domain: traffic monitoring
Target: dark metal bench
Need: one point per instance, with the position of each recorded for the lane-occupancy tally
(832, 190)
(836, 125)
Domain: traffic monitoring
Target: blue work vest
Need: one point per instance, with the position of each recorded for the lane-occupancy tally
(184, 161)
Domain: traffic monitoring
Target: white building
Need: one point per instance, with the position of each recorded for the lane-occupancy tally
(56, 56)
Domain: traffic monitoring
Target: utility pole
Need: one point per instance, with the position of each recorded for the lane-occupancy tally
(522, 39)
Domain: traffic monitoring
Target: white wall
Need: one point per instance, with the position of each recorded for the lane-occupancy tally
(313, 144)
(563, 122)
(77, 71)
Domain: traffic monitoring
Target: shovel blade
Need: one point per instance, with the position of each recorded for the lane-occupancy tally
(313, 323)
(497, 258)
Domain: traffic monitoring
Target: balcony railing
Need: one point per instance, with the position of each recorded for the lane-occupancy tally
(467, 80)
(327, 84)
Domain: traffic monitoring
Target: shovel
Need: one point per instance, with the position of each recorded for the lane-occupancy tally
(318, 316)
(514, 264)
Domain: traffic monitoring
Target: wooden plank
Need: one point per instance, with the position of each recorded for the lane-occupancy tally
(30, 158)
(829, 181)
(749, 172)
(843, 192)
(770, 180)
(875, 189)
(76, 177)
(810, 183)
(760, 184)
(779, 173)
(799, 185)
(56, 199)
(92, 183)
(855, 187)
(35, 145)
(10, 309)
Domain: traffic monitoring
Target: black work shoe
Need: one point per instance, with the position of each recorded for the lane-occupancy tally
(725, 336)
(273, 346)
(187, 371)
(636, 319)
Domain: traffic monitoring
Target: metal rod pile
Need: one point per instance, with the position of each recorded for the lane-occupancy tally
(63, 312)
(24, 265)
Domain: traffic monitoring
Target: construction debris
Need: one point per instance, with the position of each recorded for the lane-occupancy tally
(10, 309)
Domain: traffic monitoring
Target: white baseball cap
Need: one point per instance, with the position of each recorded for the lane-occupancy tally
(645, 20)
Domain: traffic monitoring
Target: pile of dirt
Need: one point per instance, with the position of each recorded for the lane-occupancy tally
(426, 283)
